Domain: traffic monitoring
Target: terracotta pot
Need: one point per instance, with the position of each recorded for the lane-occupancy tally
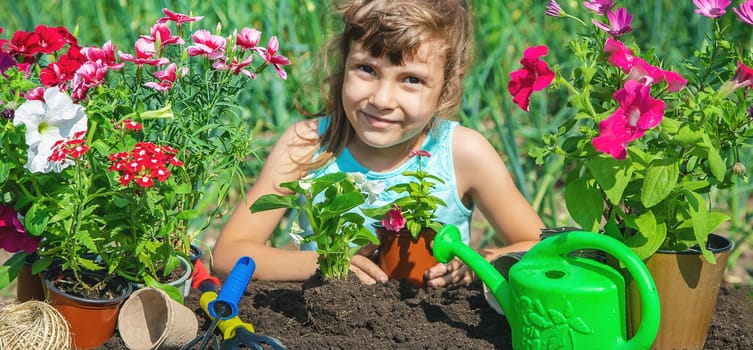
(688, 286)
(28, 285)
(404, 258)
(91, 322)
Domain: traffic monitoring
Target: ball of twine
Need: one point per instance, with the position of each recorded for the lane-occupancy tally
(32, 325)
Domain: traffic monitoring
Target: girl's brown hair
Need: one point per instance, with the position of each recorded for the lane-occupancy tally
(393, 29)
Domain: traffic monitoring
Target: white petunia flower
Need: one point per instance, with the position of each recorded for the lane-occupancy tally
(46, 123)
(295, 233)
(306, 182)
(373, 189)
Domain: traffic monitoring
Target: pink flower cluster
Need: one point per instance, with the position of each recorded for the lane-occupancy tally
(145, 163)
(83, 68)
(637, 110)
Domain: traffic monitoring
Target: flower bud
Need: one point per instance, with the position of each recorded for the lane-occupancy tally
(739, 169)
(8, 113)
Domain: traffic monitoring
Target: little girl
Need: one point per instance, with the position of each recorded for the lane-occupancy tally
(396, 85)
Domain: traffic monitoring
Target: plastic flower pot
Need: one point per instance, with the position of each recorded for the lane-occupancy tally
(404, 258)
(688, 287)
(91, 322)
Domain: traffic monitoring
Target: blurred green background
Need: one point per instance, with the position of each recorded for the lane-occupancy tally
(503, 30)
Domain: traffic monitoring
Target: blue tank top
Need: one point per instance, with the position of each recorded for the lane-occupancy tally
(439, 144)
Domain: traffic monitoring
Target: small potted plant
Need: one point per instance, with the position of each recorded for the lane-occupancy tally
(409, 224)
(329, 204)
(646, 148)
(111, 157)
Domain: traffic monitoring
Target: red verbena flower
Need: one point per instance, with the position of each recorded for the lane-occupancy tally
(534, 76)
(394, 220)
(132, 125)
(145, 163)
(637, 112)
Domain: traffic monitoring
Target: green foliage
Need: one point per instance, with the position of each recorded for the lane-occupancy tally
(134, 201)
(418, 207)
(658, 196)
(328, 202)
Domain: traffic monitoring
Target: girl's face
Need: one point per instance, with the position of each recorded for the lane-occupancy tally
(389, 105)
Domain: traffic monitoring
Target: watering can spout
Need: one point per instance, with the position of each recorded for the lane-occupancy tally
(447, 245)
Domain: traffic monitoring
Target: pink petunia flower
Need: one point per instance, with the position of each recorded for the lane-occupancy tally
(534, 76)
(638, 69)
(394, 220)
(745, 12)
(13, 236)
(743, 78)
(711, 8)
(619, 22)
(207, 44)
(178, 18)
(600, 7)
(637, 112)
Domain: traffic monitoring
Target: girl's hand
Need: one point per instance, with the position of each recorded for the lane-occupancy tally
(365, 268)
(451, 274)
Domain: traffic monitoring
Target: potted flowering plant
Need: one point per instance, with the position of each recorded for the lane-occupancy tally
(417, 209)
(112, 156)
(409, 222)
(328, 203)
(646, 145)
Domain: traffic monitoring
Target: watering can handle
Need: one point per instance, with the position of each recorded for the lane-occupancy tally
(565, 243)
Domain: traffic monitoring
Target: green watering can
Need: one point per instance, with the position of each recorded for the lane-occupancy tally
(556, 300)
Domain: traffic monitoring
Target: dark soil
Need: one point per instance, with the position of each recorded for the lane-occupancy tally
(395, 316)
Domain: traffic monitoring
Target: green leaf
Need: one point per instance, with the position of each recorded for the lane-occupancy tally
(584, 203)
(649, 237)
(36, 219)
(716, 163)
(661, 179)
(699, 218)
(9, 270)
(273, 201)
(173, 292)
(613, 175)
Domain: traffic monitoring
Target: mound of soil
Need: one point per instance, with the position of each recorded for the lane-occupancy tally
(395, 316)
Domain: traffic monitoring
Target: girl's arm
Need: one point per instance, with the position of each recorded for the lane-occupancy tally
(482, 177)
(247, 233)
